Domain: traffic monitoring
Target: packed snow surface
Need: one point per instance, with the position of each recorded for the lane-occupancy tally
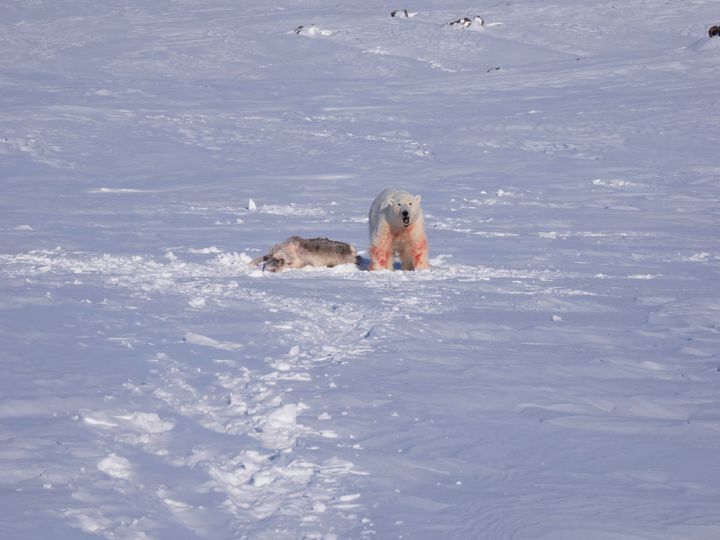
(554, 376)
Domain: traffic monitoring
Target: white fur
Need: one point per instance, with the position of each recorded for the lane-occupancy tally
(397, 228)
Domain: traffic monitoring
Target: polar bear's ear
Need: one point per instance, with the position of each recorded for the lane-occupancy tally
(389, 203)
(417, 199)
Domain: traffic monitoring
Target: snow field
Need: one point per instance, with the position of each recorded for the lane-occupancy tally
(553, 376)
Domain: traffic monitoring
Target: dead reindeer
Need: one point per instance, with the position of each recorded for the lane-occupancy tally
(297, 252)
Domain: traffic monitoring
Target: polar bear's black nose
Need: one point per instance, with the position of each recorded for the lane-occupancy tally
(405, 213)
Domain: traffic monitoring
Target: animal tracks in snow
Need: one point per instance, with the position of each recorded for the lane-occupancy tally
(244, 426)
(263, 467)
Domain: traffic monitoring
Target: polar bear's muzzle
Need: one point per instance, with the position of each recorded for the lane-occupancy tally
(405, 218)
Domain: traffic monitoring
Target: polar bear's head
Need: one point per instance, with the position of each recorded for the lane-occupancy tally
(405, 208)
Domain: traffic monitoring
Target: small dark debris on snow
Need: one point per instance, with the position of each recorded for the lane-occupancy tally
(714, 31)
(400, 13)
(466, 22)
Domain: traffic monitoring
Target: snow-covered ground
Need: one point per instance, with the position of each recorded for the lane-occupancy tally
(554, 376)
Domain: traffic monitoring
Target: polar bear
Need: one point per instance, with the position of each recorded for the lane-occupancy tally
(397, 227)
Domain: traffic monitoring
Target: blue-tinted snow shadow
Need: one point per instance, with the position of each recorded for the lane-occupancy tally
(363, 264)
